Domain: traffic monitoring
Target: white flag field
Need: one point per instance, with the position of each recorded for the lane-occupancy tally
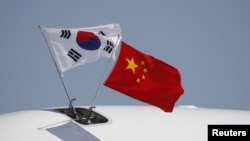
(72, 47)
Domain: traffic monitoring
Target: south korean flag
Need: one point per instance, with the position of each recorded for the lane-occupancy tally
(75, 46)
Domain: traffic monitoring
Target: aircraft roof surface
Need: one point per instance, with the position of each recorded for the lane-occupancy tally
(124, 123)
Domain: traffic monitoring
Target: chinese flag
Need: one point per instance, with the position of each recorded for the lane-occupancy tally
(145, 78)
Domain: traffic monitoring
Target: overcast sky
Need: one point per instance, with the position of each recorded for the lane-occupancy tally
(208, 41)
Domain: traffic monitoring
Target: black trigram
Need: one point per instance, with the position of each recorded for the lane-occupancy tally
(109, 47)
(65, 34)
(74, 55)
(102, 33)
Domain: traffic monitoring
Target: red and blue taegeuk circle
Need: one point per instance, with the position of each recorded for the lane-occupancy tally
(88, 40)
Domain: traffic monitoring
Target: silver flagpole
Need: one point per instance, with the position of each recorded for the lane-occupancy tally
(57, 68)
(100, 84)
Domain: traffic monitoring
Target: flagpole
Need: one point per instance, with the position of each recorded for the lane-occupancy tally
(58, 71)
(100, 84)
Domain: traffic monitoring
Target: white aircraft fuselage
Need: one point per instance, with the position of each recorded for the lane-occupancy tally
(118, 123)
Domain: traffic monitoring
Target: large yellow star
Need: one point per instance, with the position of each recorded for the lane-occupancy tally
(131, 64)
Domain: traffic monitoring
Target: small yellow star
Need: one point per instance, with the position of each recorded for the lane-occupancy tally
(143, 77)
(138, 80)
(131, 64)
(142, 63)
